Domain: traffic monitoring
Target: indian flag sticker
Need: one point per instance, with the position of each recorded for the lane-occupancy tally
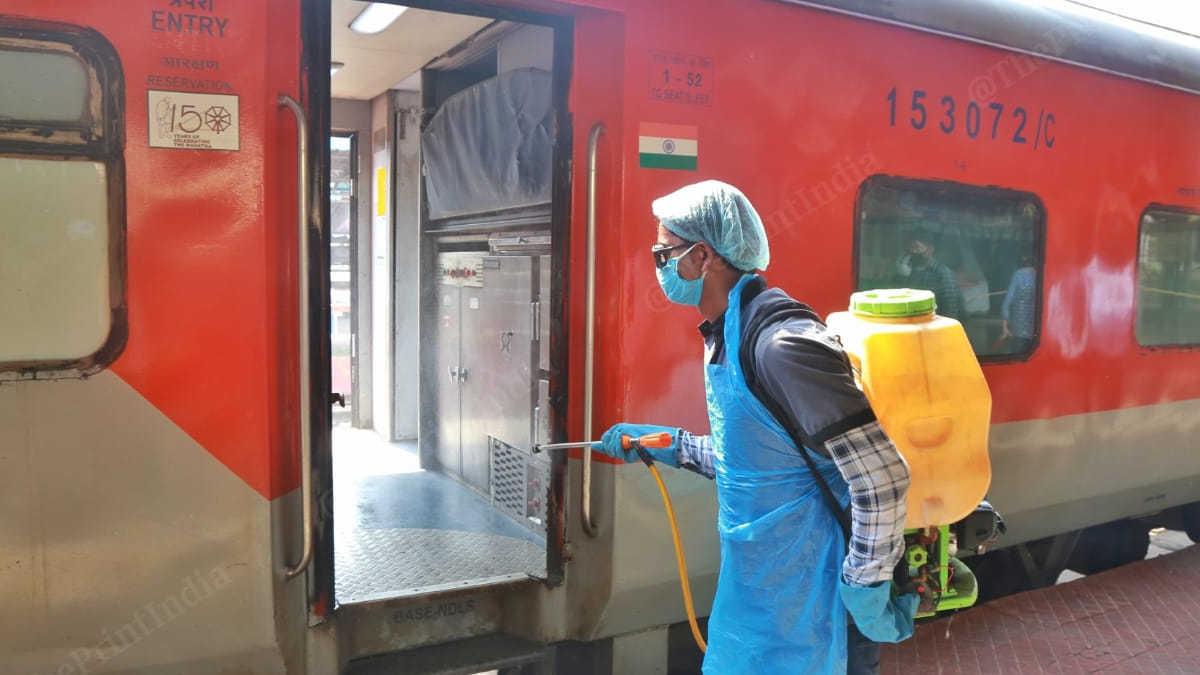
(667, 146)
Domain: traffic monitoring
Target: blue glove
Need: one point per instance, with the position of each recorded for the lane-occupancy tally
(610, 443)
(877, 614)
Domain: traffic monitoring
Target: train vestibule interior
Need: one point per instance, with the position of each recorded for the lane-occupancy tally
(443, 132)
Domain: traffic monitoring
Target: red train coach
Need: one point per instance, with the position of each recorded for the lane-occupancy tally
(179, 499)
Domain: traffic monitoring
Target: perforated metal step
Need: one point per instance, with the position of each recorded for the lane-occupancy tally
(376, 564)
(401, 531)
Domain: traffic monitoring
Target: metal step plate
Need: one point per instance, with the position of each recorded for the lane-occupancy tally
(386, 563)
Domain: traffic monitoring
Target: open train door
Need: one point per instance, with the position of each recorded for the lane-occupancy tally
(434, 521)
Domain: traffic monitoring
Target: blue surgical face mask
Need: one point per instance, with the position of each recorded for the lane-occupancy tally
(676, 288)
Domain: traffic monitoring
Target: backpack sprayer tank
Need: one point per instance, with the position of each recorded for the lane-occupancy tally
(923, 381)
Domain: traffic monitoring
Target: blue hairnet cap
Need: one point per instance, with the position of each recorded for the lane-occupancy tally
(719, 215)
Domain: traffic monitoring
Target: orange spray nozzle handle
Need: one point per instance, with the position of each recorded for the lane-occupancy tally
(662, 439)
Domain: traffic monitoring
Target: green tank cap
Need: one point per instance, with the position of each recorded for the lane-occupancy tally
(893, 302)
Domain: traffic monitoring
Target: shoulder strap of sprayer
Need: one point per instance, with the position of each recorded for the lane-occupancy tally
(775, 310)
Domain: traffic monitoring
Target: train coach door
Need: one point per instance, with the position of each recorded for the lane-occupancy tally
(439, 506)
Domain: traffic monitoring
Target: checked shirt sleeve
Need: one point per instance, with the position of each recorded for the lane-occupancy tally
(878, 478)
(696, 453)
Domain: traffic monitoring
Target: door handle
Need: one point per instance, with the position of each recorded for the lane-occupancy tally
(290, 103)
(589, 339)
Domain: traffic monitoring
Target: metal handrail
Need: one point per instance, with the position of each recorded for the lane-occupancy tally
(589, 354)
(302, 281)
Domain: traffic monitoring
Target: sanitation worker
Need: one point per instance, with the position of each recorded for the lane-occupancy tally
(791, 597)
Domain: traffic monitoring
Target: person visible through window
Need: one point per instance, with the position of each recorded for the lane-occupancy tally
(1019, 308)
(921, 270)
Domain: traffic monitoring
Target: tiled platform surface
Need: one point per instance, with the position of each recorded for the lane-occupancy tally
(1140, 618)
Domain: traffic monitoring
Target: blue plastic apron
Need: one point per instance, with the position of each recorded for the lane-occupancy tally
(777, 608)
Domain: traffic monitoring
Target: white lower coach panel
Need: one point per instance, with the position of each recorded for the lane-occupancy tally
(645, 580)
(124, 545)
(1055, 475)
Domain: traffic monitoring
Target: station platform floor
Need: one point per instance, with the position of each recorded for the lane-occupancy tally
(1139, 618)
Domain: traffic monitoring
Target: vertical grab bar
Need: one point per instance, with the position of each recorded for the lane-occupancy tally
(589, 354)
(302, 181)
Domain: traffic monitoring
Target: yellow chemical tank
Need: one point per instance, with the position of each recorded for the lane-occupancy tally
(924, 382)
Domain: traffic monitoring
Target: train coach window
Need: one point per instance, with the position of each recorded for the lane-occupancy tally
(977, 248)
(1168, 310)
(62, 189)
(44, 86)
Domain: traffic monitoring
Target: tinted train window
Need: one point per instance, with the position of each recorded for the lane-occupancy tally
(62, 189)
(1168, 310)
(978, 249)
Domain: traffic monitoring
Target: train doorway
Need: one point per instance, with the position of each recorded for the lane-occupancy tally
(447, 125)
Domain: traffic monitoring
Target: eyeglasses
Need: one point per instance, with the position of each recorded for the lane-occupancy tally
(662, 254)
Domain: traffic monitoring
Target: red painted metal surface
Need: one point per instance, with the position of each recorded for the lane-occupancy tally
(799, 117)
(211, 234)
(1140, 618)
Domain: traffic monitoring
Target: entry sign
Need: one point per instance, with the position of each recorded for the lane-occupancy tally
(183, 120)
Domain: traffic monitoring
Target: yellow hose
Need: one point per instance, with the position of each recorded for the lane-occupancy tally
(683, 574)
